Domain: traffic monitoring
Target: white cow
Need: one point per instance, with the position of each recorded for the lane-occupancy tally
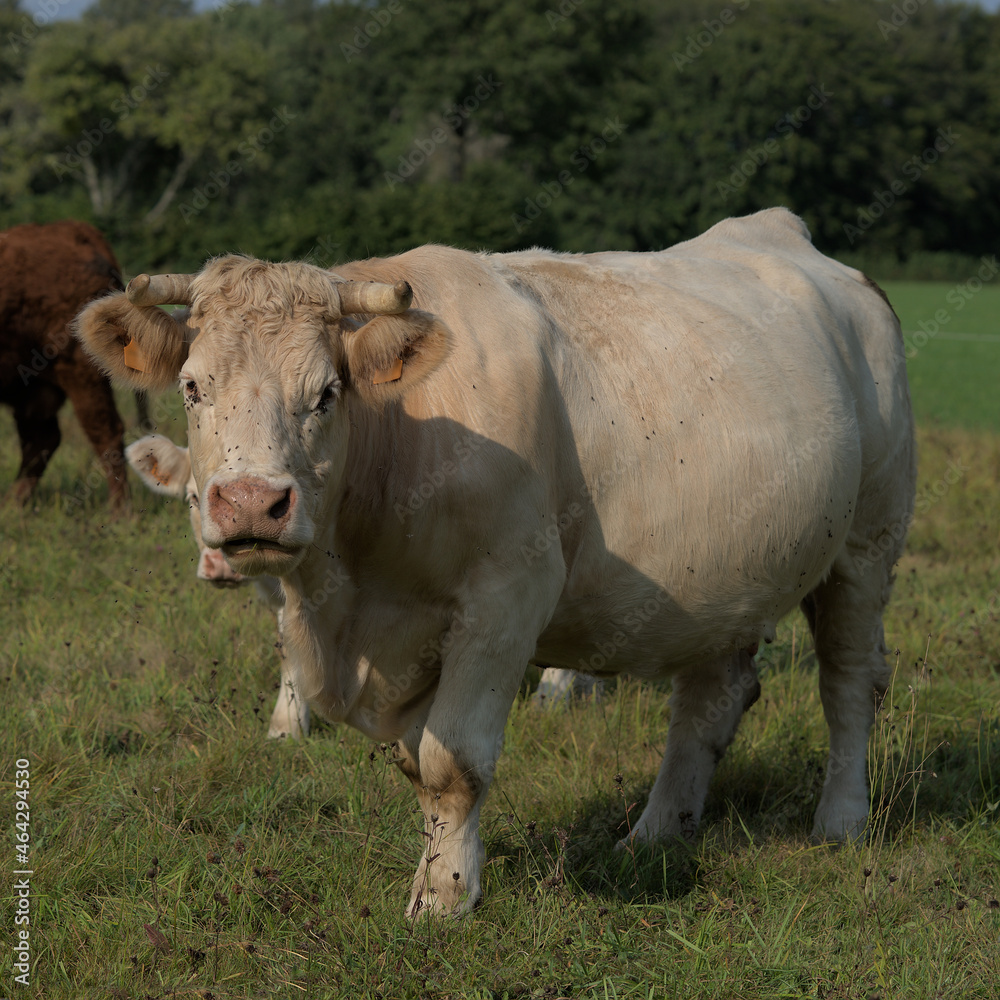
(458, 463)
(166, 468)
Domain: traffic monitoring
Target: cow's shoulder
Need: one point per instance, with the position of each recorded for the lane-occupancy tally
(429, 269)
(770, 227)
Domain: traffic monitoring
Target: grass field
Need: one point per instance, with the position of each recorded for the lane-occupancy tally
(177, 853)
(953, 349)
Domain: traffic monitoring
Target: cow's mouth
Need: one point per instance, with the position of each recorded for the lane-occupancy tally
(254, 556)
(245, 544)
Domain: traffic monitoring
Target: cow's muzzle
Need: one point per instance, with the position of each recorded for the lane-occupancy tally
(252, 517)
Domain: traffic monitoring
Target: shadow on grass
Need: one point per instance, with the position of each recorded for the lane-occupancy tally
(752, 802)
(577, 854)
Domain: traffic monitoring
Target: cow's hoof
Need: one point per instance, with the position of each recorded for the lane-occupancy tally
(421, 909)
(451, 900)
(839, 829)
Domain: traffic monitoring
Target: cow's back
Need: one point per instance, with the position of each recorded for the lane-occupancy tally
(735, 401)
(49, 272)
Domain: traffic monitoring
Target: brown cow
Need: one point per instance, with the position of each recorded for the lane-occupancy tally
(47, 274)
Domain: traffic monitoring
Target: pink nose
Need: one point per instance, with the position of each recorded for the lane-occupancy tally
(250, 508)
(213, 565)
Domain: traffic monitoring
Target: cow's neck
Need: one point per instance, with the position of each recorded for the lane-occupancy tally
(318, 599)
(321, 595)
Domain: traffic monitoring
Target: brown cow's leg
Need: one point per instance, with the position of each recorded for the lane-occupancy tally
(38, 431)
(142, 409)
(94, 404)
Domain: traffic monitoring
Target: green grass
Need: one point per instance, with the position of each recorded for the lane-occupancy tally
(952, 334)
(177, 853)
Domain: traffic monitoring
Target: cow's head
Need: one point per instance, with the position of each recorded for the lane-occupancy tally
(270, 358)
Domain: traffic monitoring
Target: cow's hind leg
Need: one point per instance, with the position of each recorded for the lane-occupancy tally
(94, 405)
(706, 706)
(559, 686)
(845, 615)
(36, 418)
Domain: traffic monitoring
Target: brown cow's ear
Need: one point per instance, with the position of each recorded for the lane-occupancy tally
(142, 347)
(390, 354)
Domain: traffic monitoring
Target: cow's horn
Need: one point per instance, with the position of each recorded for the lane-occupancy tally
(374, 297)
(160, 290)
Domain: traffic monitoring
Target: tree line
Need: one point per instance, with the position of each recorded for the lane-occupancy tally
(330, 131)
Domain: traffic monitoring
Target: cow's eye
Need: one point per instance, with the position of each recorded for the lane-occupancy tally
(193, 499)
(326, 397)
(191, 392)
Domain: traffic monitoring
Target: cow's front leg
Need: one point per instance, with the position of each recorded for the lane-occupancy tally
(706, 706)
(450, 753)
(451, 792)
(290, 717)
(451, 757)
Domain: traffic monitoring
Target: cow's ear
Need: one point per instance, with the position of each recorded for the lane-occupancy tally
(389, 355)
(139, 346)
(164, 467)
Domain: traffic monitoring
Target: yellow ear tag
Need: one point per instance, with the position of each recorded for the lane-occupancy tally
(134, 358)
(154, 470)
(386, 375)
